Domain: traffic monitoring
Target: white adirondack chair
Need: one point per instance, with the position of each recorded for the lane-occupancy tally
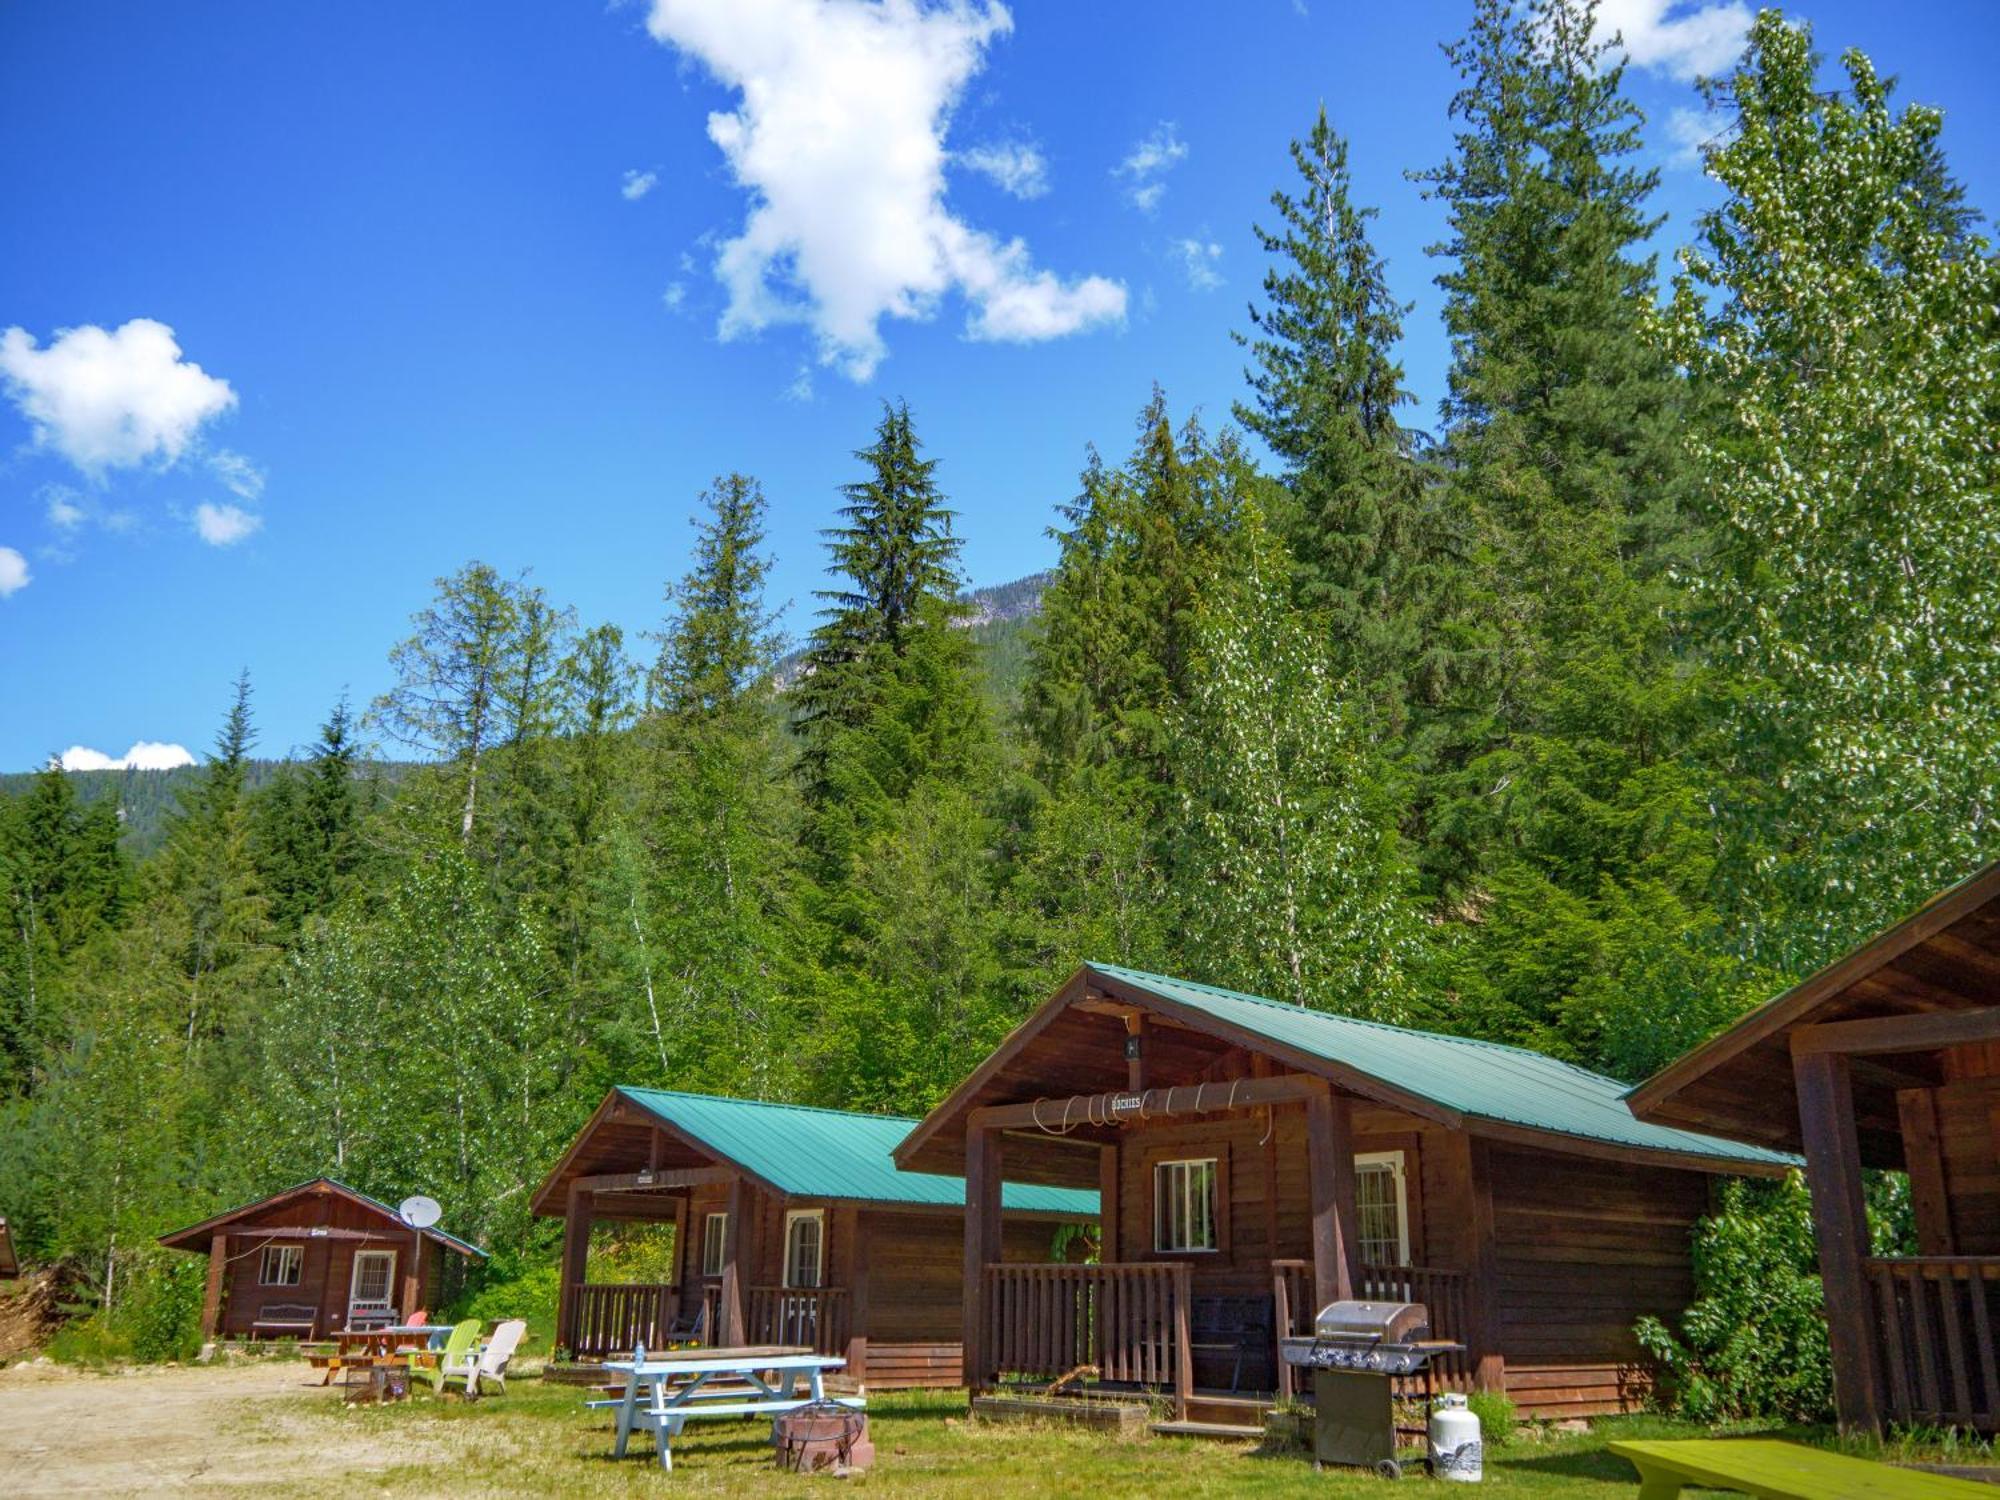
(489, 1365)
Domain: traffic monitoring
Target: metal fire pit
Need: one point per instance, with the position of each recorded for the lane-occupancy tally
(819, 1435)
(1356, 1352)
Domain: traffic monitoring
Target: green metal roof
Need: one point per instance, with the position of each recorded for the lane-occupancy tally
(830, 1153)
(1481, 1080)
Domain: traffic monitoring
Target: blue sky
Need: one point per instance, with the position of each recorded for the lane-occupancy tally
(508, 282)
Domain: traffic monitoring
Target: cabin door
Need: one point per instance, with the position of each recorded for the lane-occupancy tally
(368, 1297)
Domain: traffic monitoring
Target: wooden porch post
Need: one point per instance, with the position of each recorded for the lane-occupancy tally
(1330, 1172)
(982, 1245)
(857, 1296)
(413, 1275)
(211, 1301)
(575, 1264)
(731, 1315)
(1107, 1204)
(1840, 1223)
(1470, 1196)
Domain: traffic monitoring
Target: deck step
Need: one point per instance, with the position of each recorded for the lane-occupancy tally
(1230, 1431)
(1228, 1411)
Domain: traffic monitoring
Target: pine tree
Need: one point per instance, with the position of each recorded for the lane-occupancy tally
(208, 903)
(1364, 524)
(1843, 314)
(1561, 779)
(307, 827)
(446, 702)
(887, 692)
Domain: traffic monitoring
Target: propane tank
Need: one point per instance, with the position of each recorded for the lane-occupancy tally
(1454, 1440)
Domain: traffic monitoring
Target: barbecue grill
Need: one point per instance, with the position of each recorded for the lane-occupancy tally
(1356, 1352)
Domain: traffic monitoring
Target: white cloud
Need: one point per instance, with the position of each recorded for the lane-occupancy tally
(224, 525)
(146, 755)
(674, 295)
(14, 574)
(111, 399)
(637, 184)
(1685, 38)
(838, 138)
(243, 477)
(1017, 167)
(1689, 130)
(63, 506)
(1148, 163)
(1199, 259)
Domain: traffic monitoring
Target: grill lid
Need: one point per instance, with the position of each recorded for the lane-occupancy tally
(1373, 1322)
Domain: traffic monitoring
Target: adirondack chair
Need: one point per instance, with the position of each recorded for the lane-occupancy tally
(463, 1343)
(487, 1365)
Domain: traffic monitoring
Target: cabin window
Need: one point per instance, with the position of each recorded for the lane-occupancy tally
(1184, 1205)
(805, 1244)
(714, 1238)
(282, 1264)
(1384, 1210)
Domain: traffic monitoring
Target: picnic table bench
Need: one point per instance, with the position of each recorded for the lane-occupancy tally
(1777, 1470)
(663, 1392)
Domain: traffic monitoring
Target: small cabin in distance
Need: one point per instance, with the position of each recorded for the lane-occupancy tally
(1257, 1160)
(792, 1225)
(9, 1265)
(1888, 1058)
(314, 1260)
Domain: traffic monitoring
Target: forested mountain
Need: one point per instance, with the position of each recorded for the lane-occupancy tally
(1655, 675)
(143, 799)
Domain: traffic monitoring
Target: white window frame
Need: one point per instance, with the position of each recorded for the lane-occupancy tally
(1394, 1162)
(290, 1258)
(1165, 1174)
(714, 1243)
(818, 1217)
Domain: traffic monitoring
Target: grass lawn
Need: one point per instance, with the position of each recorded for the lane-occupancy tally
(539, 1440)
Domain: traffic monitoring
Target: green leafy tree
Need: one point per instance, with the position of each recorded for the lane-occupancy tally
(1846, 321)
(1289, 876)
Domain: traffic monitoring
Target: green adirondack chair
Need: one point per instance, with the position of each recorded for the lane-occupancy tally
(464, 1339)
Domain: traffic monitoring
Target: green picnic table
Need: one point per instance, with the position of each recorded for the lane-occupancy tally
(1779, 1470)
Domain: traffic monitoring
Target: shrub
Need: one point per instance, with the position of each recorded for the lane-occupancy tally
(1496, 1417)
(163, 1312)
(531, 1293)
(1753, 1343)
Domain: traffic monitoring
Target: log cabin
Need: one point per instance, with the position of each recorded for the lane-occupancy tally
(1256, 1159)
(312, 1261)
(1887, 1058)
(791, 1226)
(9, 1266)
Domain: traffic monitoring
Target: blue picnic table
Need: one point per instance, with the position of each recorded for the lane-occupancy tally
(663, 1392)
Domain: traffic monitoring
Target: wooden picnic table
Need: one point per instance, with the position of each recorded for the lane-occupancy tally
(388, 1339)
(664, 1391)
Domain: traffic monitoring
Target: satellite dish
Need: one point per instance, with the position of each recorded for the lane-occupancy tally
(419, 1212)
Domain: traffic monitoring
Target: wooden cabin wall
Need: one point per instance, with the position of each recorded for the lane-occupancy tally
(1951, 1142)
(326, 1271)
(1268, 1195)
(1583, 1247)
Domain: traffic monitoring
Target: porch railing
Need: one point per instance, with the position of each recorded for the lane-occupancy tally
(617, 1317)
(814, 1317)
(1442, 1292)
(1129, 1320)
(1936, 1316)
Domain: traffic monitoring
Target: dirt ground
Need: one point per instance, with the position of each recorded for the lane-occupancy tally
(72, 1432)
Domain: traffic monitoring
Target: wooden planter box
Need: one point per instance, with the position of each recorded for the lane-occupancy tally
(1101, 1416)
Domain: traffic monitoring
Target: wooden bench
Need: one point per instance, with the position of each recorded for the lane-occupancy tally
(1781, 1471)
(286, 1318)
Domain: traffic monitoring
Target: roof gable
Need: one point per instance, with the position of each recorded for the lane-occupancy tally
(1460, 1082)
(195, 1236)
(804, 1152)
